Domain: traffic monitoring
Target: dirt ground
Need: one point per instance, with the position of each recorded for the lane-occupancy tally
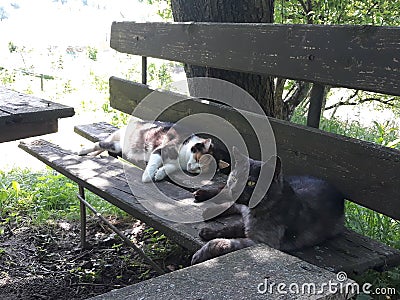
(47, 262)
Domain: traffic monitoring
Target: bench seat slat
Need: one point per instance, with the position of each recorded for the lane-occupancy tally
(95, 131)
(105, 177)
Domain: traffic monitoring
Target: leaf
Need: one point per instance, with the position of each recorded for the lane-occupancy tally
(3, 196)
(16, 186)
(379, 127)
(393, 144)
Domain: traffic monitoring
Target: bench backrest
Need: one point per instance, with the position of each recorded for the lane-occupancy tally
(360, 57)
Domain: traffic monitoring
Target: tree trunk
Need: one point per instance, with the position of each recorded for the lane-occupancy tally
(261, 87)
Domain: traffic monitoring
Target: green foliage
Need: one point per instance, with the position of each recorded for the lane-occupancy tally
(375, 225)
(67, 87)
(92, 53)
(387, 134)
(384, 134)
(12, 47)
(118, 118)
(163, 8)
(159, 245)
(99, 82)
(160, 76)
(7, 77)
(361, 12)
(59, 64)
(41, 197)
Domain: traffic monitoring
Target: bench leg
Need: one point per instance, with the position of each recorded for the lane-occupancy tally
(83, 217)
(116, 230)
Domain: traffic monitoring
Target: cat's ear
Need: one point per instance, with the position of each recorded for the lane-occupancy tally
(222, 164)
(207, 143)
(278, 176)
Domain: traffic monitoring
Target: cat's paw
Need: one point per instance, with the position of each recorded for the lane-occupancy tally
(201, 195)
(213, 248)
(160, 174)
(146, 177)
(208, 233)
(200, 256)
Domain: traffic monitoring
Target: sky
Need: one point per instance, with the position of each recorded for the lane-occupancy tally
(48, 22)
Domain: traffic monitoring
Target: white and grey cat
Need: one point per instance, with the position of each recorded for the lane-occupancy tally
(296, 211)
(163, 146)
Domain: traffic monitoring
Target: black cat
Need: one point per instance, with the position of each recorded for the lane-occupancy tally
(295, 212)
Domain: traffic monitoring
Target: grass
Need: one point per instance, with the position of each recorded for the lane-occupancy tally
(36, 198)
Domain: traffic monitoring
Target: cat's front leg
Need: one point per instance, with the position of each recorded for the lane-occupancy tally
(232, 230)
(218, 247)
(163, 172)
(204, 194)
(155, 162)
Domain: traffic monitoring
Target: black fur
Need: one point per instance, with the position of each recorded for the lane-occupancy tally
(296, 212)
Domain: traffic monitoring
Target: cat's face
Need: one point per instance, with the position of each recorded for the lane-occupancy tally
(201, 158)
(246, 172)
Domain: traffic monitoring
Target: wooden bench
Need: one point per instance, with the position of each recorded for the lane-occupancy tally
(23, 116)
(366, 173)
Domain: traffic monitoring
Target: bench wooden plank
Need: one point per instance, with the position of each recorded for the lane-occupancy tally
(366, 173)
(350, 252)
(238, 275)
(359, 57)
(96, 131)
(105, 177)
(15, 131)
(24, 108)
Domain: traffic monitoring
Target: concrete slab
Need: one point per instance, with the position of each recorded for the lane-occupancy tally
(259, 272)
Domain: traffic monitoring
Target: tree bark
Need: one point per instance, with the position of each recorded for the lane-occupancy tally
(261, 87)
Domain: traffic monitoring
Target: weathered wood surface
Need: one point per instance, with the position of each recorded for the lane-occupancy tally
(366, 173)
(238, 276)
(105, 177)
(24, 116)
(95, 132)
(359, 57)
(351, 252)
(15, 131)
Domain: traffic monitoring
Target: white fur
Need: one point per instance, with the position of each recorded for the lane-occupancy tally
(156, 169)
(187, 159)
(155, 162)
